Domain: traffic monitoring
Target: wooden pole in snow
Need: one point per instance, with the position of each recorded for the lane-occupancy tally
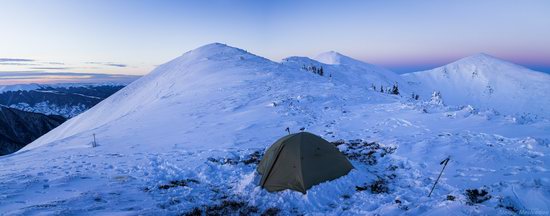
(437, 180)
(94, 144)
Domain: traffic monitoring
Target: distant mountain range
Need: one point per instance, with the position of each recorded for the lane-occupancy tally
(29, 111)
(65, 100)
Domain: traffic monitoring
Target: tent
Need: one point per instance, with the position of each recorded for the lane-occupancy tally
(299, 161)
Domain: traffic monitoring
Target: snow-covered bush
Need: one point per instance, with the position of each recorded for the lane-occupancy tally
(437, 99)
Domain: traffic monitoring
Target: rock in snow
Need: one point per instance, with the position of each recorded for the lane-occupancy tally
(163, 139)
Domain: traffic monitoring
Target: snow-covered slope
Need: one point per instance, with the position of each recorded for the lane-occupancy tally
(487, 82)
(186, 138)
(359, 73)
(211, 80)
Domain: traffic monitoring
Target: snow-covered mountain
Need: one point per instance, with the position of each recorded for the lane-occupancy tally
(186, 137)
(489, 83)
(67, 100)
(19, 87)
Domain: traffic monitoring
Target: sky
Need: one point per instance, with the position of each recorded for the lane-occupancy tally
(134, 36)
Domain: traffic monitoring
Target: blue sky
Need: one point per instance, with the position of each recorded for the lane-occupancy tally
(133, 36)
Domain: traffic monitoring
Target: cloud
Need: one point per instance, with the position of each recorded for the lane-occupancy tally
(25, 77)
(55, 63)
(27, 62)
(50, 68)
(15, 60)
(108, 64)
(16, 63)
(117, 65)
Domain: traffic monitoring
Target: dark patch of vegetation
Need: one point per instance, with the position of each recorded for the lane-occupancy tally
(509, 208)
(451, 197)
(253, 158)
(376, 187)
(271, 212)
(392, 167)
(476, 196)
(195, 212)
(338, 142)
(366, 152)
(401, 205)
(508, 204)
(231, 207)
(44, 206)
(176, 183)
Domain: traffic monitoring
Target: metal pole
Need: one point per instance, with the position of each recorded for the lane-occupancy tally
(437, 180)
(95, 144)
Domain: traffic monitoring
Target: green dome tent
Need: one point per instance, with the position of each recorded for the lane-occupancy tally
(299, 161)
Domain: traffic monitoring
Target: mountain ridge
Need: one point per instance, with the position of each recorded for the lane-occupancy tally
(486, 82)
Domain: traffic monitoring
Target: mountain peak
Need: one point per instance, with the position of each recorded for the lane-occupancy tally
(333, 58)
(215, 45)
(215, 49)
(481, 59)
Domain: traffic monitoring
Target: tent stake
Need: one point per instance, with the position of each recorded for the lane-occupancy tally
(437, 180)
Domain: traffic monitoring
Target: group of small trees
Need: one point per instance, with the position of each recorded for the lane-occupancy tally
(415, 96)
(391, 90)
(394, 89)
(314, 69)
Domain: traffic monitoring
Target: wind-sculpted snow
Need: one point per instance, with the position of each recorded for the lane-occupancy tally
(186, 139)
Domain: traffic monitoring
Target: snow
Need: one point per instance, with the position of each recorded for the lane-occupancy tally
(176, 140)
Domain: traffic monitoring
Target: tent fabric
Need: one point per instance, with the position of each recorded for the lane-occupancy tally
(299, 161)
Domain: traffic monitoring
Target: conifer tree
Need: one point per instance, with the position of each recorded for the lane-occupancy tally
(395, 89)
